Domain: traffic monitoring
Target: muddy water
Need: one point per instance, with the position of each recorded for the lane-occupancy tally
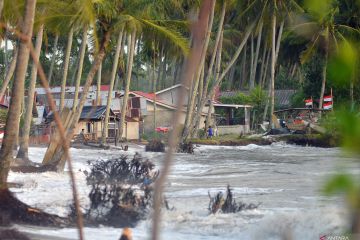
(286, 180)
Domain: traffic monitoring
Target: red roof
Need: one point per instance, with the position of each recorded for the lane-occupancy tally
(150, 96)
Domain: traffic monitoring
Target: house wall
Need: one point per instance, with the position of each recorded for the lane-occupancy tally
(172, 96)
(233, 129)
(164, 118)
(132, 132)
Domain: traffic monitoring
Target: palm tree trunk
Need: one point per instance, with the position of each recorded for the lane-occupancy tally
(56, 40)
(131, 41)
(17, 94)
(323, 83)
(25, 133)
(273, 59)
(267, 63)
(253, 70)
(10, 71)
(251, 85)
(98, 86)
(98, 96)
(218, 66)
(66, 68)
(121, 63)
(112, 80)
(80, 67)
(189, 120)
(263, 61)
(213, 56)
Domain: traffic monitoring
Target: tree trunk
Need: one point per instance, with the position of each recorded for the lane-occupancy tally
(66, 68)
(55, 154)
(323, 83)
(121, 63)
(25, 133)
(254, 68)
(267, 63)
(98, 96)
(272, 79)
(131, 41)
(274, 56)
(112, 80)
(80, 67)
(263, 61)
(214, 53)
(230, 85)
(56, 40)
(98, 87)
(243, 72)
(13, 116)
(189, 112)
(251, 60)
(10, 71)
(218, 69)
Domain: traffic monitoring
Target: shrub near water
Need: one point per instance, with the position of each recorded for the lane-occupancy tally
(120, 190)
(155, 145)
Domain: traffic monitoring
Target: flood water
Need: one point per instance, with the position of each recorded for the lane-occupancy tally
(286, 180)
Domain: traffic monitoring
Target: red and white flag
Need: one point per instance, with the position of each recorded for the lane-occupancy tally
(328, 98)
(308, 102)
(328, 105)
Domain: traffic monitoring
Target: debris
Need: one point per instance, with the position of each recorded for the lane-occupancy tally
(227, 204)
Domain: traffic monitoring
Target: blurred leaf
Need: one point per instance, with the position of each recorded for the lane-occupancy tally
(341, 66)
(318, 7)
(339, 183)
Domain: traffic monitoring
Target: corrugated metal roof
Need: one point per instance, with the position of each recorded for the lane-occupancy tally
(282, 97)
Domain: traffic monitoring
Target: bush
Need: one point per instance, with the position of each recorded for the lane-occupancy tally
(227, 204)
(121, 191)
(155, 145)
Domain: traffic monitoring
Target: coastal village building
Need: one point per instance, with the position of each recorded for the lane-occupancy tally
(92, 117)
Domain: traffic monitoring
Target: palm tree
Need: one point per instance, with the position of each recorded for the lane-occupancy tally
(111, 86)
(10, 71)
(66, 68)
(131, 40)
(325, 33)
(24, 140)
(80, 66)
(13, 117)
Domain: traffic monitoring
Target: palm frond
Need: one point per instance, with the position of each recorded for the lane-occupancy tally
(173, 36)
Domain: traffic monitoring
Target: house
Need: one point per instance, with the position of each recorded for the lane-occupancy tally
(282, 96)
(164, 109)
(92, 120)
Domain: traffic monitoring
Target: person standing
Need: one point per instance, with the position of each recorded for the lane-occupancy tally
(210, 132)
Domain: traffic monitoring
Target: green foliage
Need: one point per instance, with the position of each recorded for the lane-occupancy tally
(257, 98)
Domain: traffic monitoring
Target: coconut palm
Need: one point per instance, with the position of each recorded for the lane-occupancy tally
(111, 85)
(324, 34)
